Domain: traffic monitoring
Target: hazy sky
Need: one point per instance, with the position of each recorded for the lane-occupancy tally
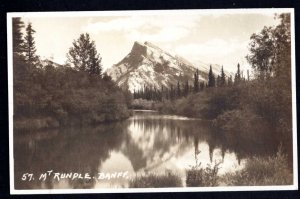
(210, 38)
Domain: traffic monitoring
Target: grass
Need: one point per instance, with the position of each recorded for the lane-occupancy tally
(152, 180)
(202, 177)
(260, 171)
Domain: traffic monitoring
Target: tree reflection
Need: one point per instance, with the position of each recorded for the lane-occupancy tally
(148, 140)
(80, 150)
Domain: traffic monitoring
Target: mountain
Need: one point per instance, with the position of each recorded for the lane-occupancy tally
(45, 62)
(150, 66)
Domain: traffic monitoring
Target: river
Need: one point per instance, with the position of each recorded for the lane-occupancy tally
(147, 142)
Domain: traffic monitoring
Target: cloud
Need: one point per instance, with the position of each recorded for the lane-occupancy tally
(151, 28)
(219, 51)
(214, 48)
(166, 34)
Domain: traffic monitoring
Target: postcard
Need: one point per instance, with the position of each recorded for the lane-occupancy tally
(152, 101)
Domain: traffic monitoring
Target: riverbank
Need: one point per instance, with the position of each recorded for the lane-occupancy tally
(255, 109)
(44, 123)
(272, 170)
(50, 97)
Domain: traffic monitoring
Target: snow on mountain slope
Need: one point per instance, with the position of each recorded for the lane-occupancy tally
(45, 62)
(150, 66)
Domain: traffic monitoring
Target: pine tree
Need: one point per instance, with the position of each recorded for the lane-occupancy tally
(211, 78)
(186, 88)
(218, 81)
(178, 90)
(95, 67)
(230, 82)
(18, 42)
(248, 76)
(84, 56)
(171, 92)
(29, 45)
(237, 78)
(222, 78)
(201, 86)
(196, 81)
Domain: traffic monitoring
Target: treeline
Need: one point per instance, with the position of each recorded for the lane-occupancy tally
(259, 109)
(77, 93)
(184, 89)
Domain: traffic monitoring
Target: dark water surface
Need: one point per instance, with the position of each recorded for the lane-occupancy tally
(146, 142)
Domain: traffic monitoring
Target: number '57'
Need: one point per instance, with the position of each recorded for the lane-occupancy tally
(27, 176)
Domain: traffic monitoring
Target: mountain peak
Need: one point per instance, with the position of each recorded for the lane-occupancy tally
(147, 65)
(138, 49)
(151, 45)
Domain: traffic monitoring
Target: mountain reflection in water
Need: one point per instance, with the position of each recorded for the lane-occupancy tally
(146, 142)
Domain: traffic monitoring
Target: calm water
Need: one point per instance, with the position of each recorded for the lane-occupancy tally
(146, 142)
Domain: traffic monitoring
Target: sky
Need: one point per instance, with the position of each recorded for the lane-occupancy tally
(212, 38)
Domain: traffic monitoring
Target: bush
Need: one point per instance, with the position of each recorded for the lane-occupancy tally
(202, 177)
(168, 179)
(65, 95)
(243, 123)
(27, 124)
(142, 104)
(263, 171)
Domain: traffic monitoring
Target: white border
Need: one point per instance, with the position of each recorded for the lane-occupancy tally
(144, 13)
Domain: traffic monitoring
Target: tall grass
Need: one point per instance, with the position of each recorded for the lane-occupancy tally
(260, 171)
(202, 177)
(152, 180)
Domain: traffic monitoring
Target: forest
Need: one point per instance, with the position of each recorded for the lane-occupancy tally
(241, 109)
(243, 106)
(78, 93)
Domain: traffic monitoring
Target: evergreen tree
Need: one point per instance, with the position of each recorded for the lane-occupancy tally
(237, 78)
(248, 76)
(211, 78)
(218, 81)
(178, 90)
(84, 56)
(222, 78)
(196, 81)
(186, 88)
(230, 82)
(171, 92)
(162, 96)
(201, 86)
(29, 45)
(18, 42)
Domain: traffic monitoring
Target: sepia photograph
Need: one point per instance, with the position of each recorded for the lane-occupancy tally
(152, 101)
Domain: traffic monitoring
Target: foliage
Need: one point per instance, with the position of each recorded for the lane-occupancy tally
(29, 45)
(151, 180)
(202, 177)
(142, 104)
(222, 78)
(238, 77)
(46, 97)
(270, 50)
(262, 171)
(84, 56)
(172, 93)
(66, 95)
(196, 81)
(17, 24)
(211, 78)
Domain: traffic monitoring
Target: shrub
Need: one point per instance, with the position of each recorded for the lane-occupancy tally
(243, 123)
(263, 171)
(204, 177)
(66, 96)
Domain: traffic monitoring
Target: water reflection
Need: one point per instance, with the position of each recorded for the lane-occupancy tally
(146, 142)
